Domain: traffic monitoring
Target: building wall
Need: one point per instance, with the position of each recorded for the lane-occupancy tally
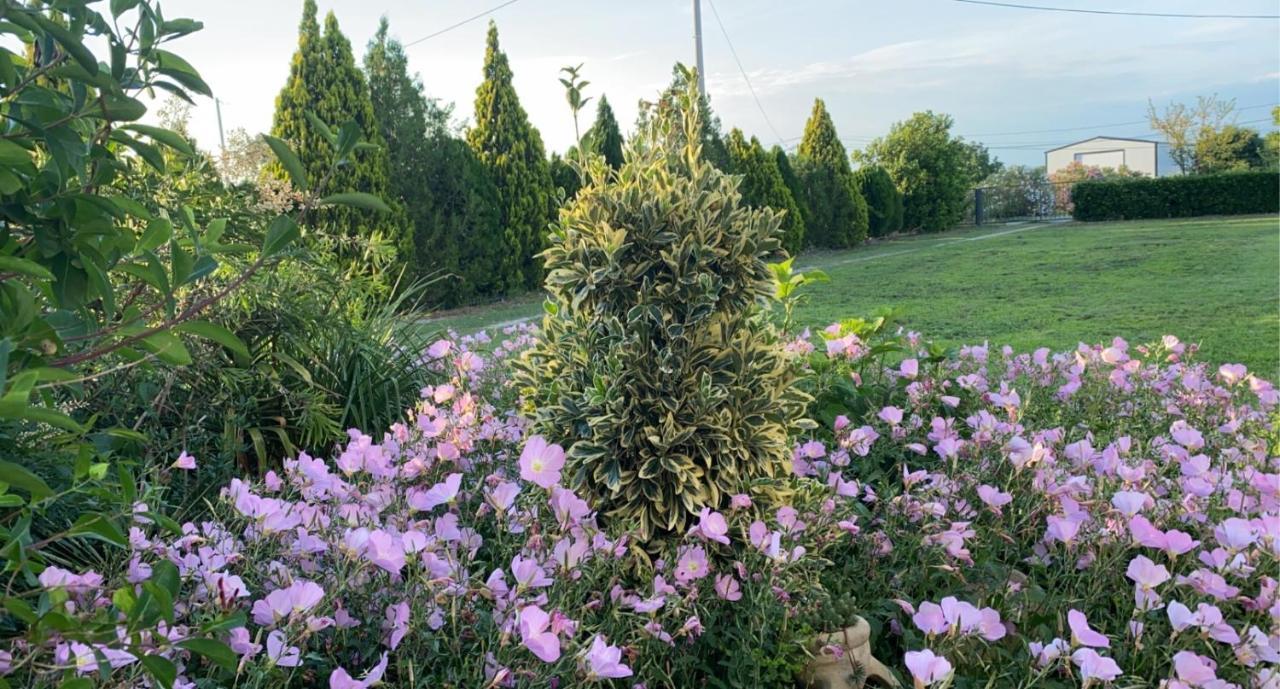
(1139, 156)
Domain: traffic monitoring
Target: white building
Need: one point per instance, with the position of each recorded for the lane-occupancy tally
(1140, 155)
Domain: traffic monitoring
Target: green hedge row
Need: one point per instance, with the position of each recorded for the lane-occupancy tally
(1232, 193)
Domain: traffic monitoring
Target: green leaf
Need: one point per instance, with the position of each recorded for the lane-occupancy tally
(322, 128)
(22, 266)
(161, 669)
(181, 71)
(11, 154)
(101, 528)
(282, 232)
(290, 161)
(215, 332)
(20, 477)
(357, 199)
(158, 232)
(212, 649)
(168, 137)
(73, 44)
(168, 348)
(119, 7)
(77, 683)
(118, 108)
(51, 417)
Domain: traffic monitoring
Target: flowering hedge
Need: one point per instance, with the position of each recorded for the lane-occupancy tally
(1107, 514)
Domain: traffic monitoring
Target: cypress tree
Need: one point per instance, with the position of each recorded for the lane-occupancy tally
(836, 213)
(324, 80)
(511, 150)
(405, 119)
(605, 137)
(762, 186)
(884, 201)
(563, 176)
(788, 172)
(460, 235)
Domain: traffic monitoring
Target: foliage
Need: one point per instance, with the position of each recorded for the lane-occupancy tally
(242, 160)
(1180, 125)
(605, 137)
(1230, 193)
(710, 132)
(835, 214)
(563, 175)
(511, 150)
(1271, 143)
(1017, 191)
(932, 169)
(789, 288)
(99, 278)
(1229, 149)
(762, 187)
(1065, 179)
(326, 86)
(783, 161)
(656, 369)
(884, 201)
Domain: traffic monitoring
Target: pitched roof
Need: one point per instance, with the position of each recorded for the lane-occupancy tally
(1095, 138)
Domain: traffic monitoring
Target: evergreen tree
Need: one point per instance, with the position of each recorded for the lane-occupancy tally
(714, 150)
(459, 236)
(563, 176)
(836, 214)
(788, 172)
(511, 149)
(884, 201)
(605, 137)
(762, 186)
(324, 81)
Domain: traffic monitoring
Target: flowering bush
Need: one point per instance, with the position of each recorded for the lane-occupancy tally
(1104, 514)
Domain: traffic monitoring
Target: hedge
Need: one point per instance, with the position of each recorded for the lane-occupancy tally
(1232, 193)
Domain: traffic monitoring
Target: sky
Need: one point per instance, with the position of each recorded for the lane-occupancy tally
(999, 72)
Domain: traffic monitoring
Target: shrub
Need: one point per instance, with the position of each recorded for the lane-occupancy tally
(1175, 197)
(763, 187)
(884, 201)
(933, 169)
(1229, 149)
(656, 369)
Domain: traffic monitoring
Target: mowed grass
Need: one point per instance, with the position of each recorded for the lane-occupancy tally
(1213, 281)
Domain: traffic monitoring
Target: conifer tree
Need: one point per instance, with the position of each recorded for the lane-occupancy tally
(762, 186)
(788, 172)
(511, 150)
(324, 81)
(408, 121)
(605, 137)
(884, 201)
(836, 214)
(563, 175)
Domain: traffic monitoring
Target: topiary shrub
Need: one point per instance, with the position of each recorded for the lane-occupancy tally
(1229, 193)
(656, 368)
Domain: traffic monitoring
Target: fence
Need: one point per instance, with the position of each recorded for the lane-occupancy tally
(1031, 201)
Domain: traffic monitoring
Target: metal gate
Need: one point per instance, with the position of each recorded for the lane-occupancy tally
(1031, 201)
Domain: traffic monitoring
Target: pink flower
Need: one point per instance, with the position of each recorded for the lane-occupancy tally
(1193, 669)
(909, 368)
(890, 415)
(280, 652)
(926, 668)
(440, 494)
(604, 661)
(385, 550)
(341, 680)
(1129, 502)
(1081, 634)
(1093, 666)
(503, 495)
(930, 619)
(1180, 616)
(528, 574)
(740, 501)
(1235, 534)
(185, 462)
(540, 462)
(711, 526)
(692, 565)
(1063, 528)
(1146, 576)
(993, 498)
(1233, 373)
(241, 643)
(297, 599)
(728, 588)
(535, 635)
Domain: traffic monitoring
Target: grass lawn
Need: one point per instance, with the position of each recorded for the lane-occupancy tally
(1215, 281)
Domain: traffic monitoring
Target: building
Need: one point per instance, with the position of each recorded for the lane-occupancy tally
(1140, 155)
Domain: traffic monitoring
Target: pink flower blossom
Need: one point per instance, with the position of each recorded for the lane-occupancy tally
(341, 680)
(540, 462)
(280, 652)
(711, 526)
(185, 462)
(692, 565)
(1094, 666)
(1082, 634)
(535, 635)
(728, 588)
(926, 668)
(604, 661)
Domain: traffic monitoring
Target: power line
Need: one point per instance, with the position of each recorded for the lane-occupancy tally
(745, 78)
(1090, 126)
(468, 20)
(1077, 10)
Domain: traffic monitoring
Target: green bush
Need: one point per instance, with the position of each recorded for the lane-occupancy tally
(656, 368)
(763, 187)
(835, 213)
(884, 201)
(1233, 193)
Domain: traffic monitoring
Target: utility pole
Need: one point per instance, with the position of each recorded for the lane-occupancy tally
(222, 140)
(697, 43)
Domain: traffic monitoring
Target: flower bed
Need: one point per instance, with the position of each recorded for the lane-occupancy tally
(1103, 514)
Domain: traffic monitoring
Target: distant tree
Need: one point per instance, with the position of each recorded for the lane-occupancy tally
(604, 137)
(1227, 149)
(762, 186)
(835, 212)
(1271, 145)
(460, 237)
(933, 170)
(714, 150)
(511, 149)
(325, 82)
(1017, 191)
(979, 161)
(406, 118)
(789, 178)
(1063, 179)
(1181, 124)
(563, 175)
(884, 201)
